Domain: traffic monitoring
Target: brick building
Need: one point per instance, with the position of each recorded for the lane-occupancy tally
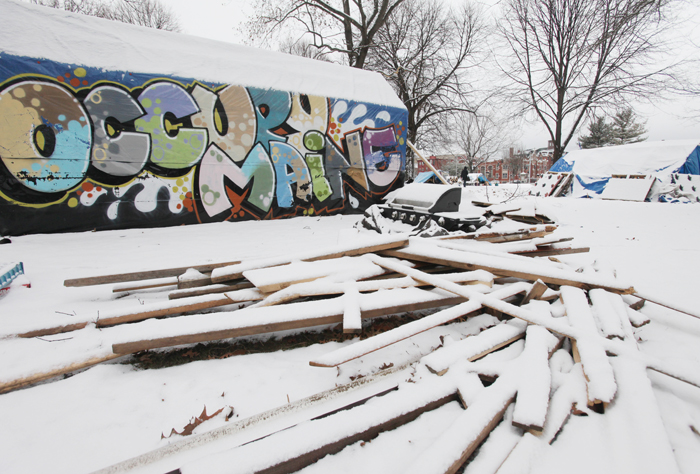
(526, 166)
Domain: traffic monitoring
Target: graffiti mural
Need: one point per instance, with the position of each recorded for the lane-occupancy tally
(83, 148)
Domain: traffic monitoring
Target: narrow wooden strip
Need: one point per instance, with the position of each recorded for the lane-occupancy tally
(546, 252)
(537, 290)
(53, 330)
(156, 312)
(297, 463)
(144, 275)
(553, 241)
(276, 419)
(235, 272)
(473, 347)
(208, 290)
(500, 266)
(204, 280)
(513, 237)
(32, 379)
(137, 346)
(145, 284)
(669, 305)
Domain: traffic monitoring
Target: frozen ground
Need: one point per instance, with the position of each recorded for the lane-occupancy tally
(113, 411)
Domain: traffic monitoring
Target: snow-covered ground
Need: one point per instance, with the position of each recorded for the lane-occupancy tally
(113, 411)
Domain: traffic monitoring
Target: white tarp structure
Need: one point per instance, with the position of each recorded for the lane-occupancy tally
(593, 168)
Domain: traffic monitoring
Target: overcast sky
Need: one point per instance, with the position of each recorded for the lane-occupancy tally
(220, 20)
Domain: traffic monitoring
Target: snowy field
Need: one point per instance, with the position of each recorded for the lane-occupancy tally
(113, 411)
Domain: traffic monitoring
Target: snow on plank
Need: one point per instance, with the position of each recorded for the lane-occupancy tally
(528, 269)
(167, 308)
(352, 316)
(145, 284)
(293, 449)
(143, 275)
(330, 287)
(376, 244)
(272, 279)
(449, 452)
(475, 347)
(252, 321)
(606, 316)
(256, 427)
(635, 425)
(533, 390)
(208, 290)
(452, 449)
(361, 348)
(588, 347)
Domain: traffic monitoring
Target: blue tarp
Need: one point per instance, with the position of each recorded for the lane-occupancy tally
(427, 177)
(594, 167)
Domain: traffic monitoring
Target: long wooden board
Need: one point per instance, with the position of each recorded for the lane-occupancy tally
(500, 266)
(143, 275)
(137, 346)
(40, 377)
(236, 271)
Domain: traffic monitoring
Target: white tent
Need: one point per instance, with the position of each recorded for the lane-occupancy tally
(593, 168)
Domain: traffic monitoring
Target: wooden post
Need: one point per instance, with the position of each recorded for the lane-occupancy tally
(432, 168)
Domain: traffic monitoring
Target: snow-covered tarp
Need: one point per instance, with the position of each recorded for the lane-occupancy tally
(108, 125)
(593, 168)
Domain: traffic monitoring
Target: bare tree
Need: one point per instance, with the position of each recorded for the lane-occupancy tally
(336, 26)
(150, 13)
(571, 55)
(514, 161)
(477, 137)
(425, 51)
(304, 49)
(85, 7)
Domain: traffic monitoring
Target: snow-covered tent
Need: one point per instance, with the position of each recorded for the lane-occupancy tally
(106, 125)
(594, 168)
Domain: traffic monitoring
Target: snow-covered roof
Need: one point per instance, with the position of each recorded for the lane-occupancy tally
(40, 32)
(650, 158)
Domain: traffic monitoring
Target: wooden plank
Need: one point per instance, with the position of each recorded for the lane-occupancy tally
(537, 290)
(145, 284)
(208, 290)
(669, 305)
(552, 240)
(364, 286)
(473, 348)
(264, 424)
(53, 330)
(144, 275)
(499, 266)
(546, 252)
(40, 377)
(432, 168)
(148, 344)
(295, 464)
(159, 311)
(193, 282)
(639, 304)
(224, 275)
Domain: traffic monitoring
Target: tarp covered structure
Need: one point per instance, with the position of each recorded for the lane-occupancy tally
(105, 125)
(593, 168)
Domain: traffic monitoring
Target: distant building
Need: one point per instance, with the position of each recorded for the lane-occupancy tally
(531, 164)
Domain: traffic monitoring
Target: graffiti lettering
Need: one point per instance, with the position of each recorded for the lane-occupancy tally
(217, 152)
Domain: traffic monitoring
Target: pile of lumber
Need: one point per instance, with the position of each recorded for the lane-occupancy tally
(544, 310)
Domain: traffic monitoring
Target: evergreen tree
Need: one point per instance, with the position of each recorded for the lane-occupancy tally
(626, 129)
(600, 133)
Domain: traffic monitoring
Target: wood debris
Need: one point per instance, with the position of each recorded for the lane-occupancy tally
(395, 274)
